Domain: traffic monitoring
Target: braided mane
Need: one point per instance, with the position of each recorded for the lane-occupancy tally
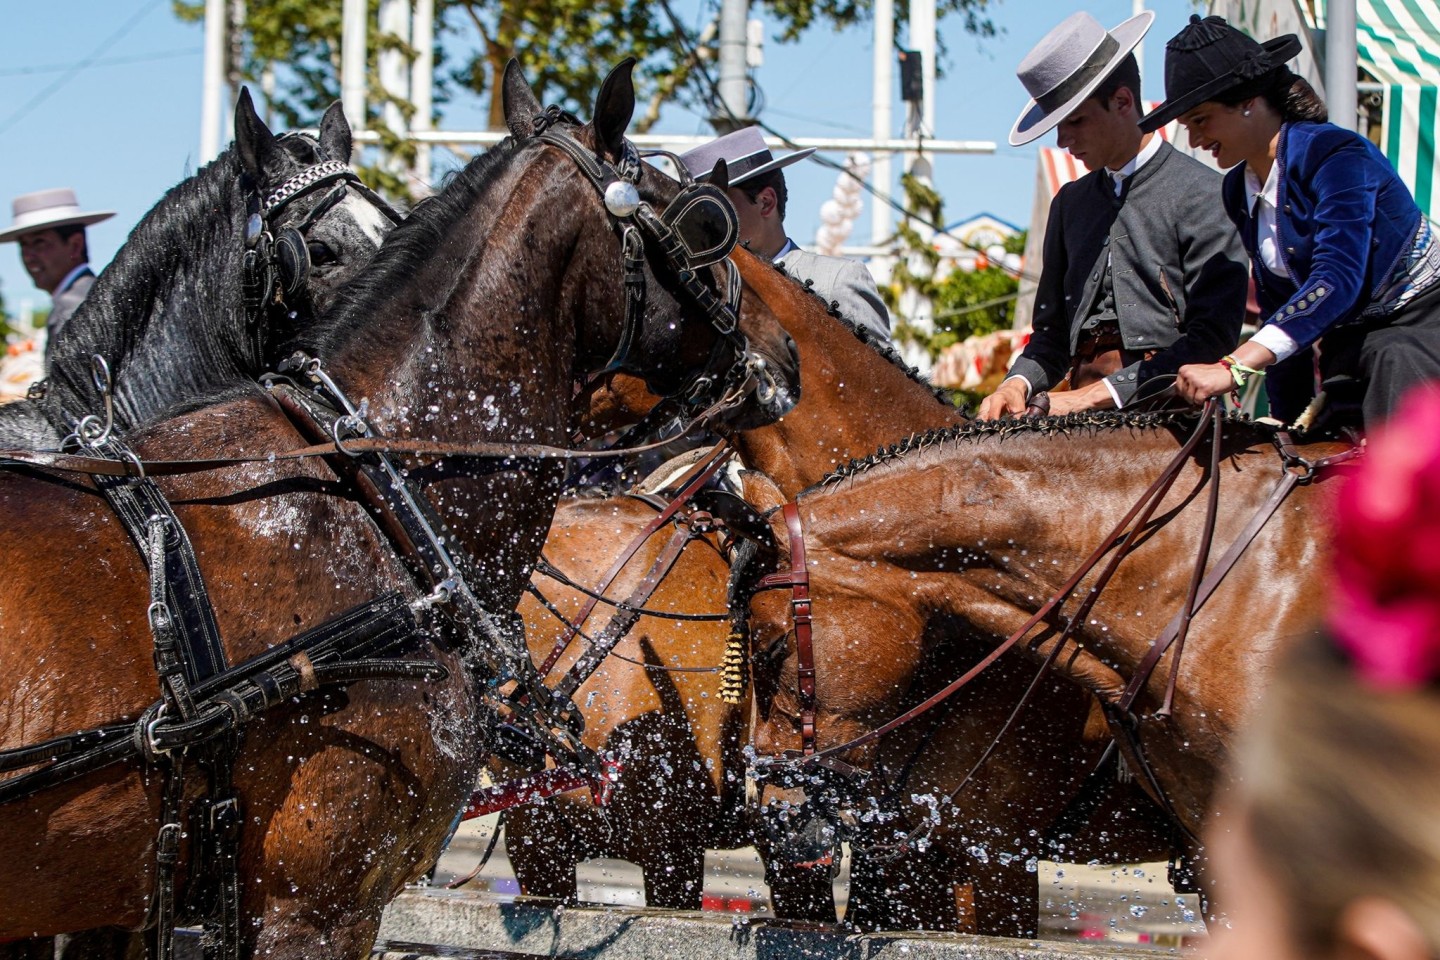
(862, 333)
(1092, 421)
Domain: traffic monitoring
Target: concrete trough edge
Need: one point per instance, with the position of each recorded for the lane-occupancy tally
(484, 922)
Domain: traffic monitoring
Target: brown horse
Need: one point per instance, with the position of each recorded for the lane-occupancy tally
(855, 399)
(974, 529)
(494, 297)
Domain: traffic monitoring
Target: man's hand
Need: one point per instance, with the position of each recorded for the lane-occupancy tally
(1008, 401)
(1198, 382)
(1096, 396)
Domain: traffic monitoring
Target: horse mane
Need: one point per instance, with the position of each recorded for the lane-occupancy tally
(863, 333)
(406, 249)
(1091, 421)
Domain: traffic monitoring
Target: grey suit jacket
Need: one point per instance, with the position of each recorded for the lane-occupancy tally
(844, 282)
(1179, 271)
(64, 303)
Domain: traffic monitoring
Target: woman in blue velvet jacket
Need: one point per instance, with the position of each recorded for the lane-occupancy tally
(1340, 254)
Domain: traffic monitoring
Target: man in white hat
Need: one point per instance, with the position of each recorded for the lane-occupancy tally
(50, 227)
(1142, 270)
(757, 189)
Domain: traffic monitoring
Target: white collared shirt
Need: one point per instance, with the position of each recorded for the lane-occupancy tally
(786, 248)
(1146, 154)
(1262, 200)
(71, 277)
(1117, 182)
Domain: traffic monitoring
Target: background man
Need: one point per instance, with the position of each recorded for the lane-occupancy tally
(1142, 270)
(757, 189)
(50, 227)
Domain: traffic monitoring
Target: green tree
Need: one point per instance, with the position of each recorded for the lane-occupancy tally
(565, 46)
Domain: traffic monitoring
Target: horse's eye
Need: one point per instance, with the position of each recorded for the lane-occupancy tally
(320, 253)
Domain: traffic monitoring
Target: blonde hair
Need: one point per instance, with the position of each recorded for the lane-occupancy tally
(1341, 790)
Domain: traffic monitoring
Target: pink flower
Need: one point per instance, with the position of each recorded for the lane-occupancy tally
(1386, 603)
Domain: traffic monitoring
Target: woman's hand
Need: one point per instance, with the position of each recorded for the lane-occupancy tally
(1198, 382)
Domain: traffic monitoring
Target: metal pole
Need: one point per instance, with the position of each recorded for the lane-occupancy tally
(884, 67)
(213, 78)
(734, 91)
(1340, 66)
(234, 69)
(394, 70)
(422, 82)
(355, 14)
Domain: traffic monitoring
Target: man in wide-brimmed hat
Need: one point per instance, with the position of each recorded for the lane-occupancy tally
(1142, 270)
(50, 228)
(757, 189)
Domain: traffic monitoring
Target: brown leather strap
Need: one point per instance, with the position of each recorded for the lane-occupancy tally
(692, 481)
(797, 578)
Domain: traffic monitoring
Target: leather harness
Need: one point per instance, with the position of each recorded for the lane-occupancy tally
(1296, 470)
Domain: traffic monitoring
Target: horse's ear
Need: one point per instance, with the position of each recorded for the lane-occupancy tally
(614, 106)
(252, 138)
(521, 104)
(720, 176)
(335, 139)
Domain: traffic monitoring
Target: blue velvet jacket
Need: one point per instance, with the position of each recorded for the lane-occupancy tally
(1343, 221)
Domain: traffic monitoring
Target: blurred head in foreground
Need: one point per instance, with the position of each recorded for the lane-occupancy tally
(1331, 847)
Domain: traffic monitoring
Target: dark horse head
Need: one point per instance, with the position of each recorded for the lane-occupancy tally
(170, 315)
(496, 297)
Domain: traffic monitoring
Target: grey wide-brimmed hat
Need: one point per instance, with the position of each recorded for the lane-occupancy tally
(1067, 66)
(744, 153)
(1209, 56)
(47, 209)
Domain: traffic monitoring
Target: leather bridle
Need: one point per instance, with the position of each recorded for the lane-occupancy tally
(699, 228)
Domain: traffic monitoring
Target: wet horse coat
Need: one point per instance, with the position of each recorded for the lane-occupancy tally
(494, 298)
(956, 528)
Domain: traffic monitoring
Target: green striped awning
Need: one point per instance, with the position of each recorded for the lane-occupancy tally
(1398, 42)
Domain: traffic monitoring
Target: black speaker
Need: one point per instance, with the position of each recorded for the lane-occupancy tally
(912, 78)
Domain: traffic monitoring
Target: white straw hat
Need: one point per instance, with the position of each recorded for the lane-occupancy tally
(1068, 65)
(47, 209)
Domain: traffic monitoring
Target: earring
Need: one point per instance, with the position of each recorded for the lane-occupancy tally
(1244, 113)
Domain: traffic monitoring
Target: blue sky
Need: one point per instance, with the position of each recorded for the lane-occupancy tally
(120, 124)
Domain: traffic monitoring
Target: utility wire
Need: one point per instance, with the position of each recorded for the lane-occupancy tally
(78, 67)
(105, 62)
(712, 99)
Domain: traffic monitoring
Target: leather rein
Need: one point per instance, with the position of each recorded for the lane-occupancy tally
(1122, 539)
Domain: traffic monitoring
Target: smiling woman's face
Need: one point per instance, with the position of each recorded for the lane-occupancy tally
(1224, 132)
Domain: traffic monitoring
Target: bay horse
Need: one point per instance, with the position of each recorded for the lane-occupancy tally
(172, 314)
(655, 705)
(970, 530)
(472, 323)
(854, 402)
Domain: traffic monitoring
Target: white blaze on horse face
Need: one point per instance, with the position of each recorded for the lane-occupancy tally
(367, 217)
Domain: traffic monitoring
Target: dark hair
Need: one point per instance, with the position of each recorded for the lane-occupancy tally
(69, 230)
(1125, 75)
(775, 179)
(1288, 93)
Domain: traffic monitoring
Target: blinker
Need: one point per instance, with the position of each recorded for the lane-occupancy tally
(621, 198)
(705, 223)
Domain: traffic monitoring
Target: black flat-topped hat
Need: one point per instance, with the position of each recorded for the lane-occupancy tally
(744, 153)
(1208, 57)
(1068, 65)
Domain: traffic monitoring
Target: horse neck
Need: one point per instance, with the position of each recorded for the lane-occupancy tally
(852, 400)
(181, 263)
(988, 529)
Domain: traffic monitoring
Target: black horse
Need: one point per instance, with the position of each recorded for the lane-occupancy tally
(200, 293)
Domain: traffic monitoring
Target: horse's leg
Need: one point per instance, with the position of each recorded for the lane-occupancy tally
(801, 893)
(675, 879)
(913, 892)
(1007, 899)
(543, 853)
